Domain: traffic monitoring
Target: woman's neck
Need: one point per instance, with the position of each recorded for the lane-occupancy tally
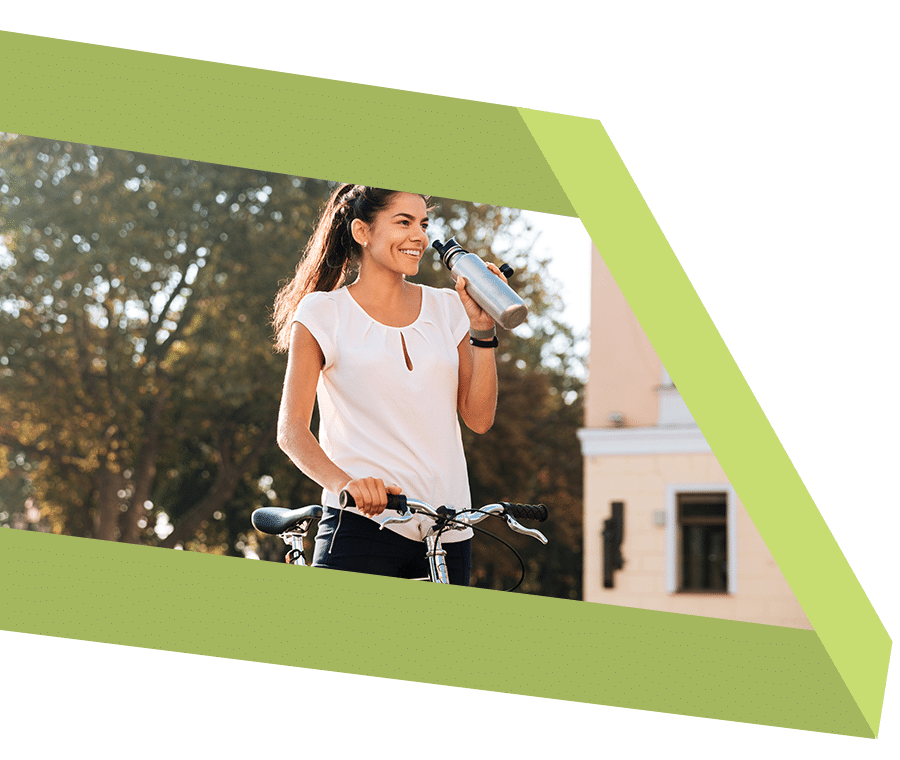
(381, 285)
(386, 295)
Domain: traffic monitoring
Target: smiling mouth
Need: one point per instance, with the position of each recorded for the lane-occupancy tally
(411, 252)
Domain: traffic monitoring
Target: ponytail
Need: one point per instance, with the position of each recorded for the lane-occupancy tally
(330, 253)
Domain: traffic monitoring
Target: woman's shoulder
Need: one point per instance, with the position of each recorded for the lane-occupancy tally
(447, 308)
(323, 296)
(318, 302)
(446, 297)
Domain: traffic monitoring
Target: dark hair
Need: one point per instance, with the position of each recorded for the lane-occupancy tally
(330, 252)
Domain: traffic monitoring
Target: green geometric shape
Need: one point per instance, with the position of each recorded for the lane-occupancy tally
(268, 612)
(274, 122)
(670, 312)
(831, 679)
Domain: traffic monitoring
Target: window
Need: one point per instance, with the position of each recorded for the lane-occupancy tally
(703, 549)
(701, 541)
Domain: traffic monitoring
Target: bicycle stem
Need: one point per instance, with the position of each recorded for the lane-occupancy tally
(436, 562)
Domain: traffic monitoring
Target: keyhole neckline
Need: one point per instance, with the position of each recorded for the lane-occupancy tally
(409, 364)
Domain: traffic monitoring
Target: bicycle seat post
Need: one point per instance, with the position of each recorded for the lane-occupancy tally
(295, 555)
(437, 565)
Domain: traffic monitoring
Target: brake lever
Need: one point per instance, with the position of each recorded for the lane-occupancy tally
(513, 525)
(400, 517)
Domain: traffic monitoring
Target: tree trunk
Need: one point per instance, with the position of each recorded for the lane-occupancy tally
(145, 473)
(106, 511)
(230, 474)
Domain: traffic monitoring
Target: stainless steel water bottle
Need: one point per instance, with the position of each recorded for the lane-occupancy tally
(489, 291)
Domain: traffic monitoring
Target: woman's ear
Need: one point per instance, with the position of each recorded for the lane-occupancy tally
(359, 230)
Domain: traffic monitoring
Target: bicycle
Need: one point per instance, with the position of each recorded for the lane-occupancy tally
(292, 525)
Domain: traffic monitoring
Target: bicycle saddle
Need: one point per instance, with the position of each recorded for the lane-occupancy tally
(277, 520)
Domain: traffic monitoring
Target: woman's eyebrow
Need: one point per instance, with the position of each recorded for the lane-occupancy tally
(409, 216)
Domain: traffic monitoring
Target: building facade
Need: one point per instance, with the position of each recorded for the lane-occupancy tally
(663, 528)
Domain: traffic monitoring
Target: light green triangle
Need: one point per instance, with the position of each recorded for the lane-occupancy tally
(628, 238)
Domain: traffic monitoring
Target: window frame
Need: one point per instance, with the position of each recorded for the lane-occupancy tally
(673, 543)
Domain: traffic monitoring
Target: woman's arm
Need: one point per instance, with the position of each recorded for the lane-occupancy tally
(477, 398)
(305, 360)
(477, 395)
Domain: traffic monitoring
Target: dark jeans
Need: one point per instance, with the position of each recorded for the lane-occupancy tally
(360, 546)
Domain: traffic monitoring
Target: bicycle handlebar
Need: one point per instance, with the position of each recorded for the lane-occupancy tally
(459, 520)
(291, 524)
(399, 503)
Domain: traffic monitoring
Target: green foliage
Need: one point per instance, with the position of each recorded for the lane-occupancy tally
(138, 375)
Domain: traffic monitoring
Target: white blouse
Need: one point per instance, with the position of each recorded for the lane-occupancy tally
(380, 418)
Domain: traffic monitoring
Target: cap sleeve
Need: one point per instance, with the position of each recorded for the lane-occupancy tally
(456, 314)
(318, 313)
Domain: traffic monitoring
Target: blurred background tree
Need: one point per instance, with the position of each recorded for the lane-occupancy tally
(140, 390)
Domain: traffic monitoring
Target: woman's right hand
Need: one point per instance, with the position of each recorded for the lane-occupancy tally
(370, 494)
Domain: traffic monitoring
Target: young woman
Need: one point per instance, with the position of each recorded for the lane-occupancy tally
(391, 363)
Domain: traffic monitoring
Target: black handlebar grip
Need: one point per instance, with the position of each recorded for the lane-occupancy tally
(527, 511)
(397, 502)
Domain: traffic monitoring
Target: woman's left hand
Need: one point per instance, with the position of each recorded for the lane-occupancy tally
(479, 319)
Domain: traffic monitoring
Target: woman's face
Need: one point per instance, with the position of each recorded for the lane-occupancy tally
(396, 238)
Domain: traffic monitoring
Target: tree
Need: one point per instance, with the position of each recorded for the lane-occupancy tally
(140, 388)
(133, 282)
